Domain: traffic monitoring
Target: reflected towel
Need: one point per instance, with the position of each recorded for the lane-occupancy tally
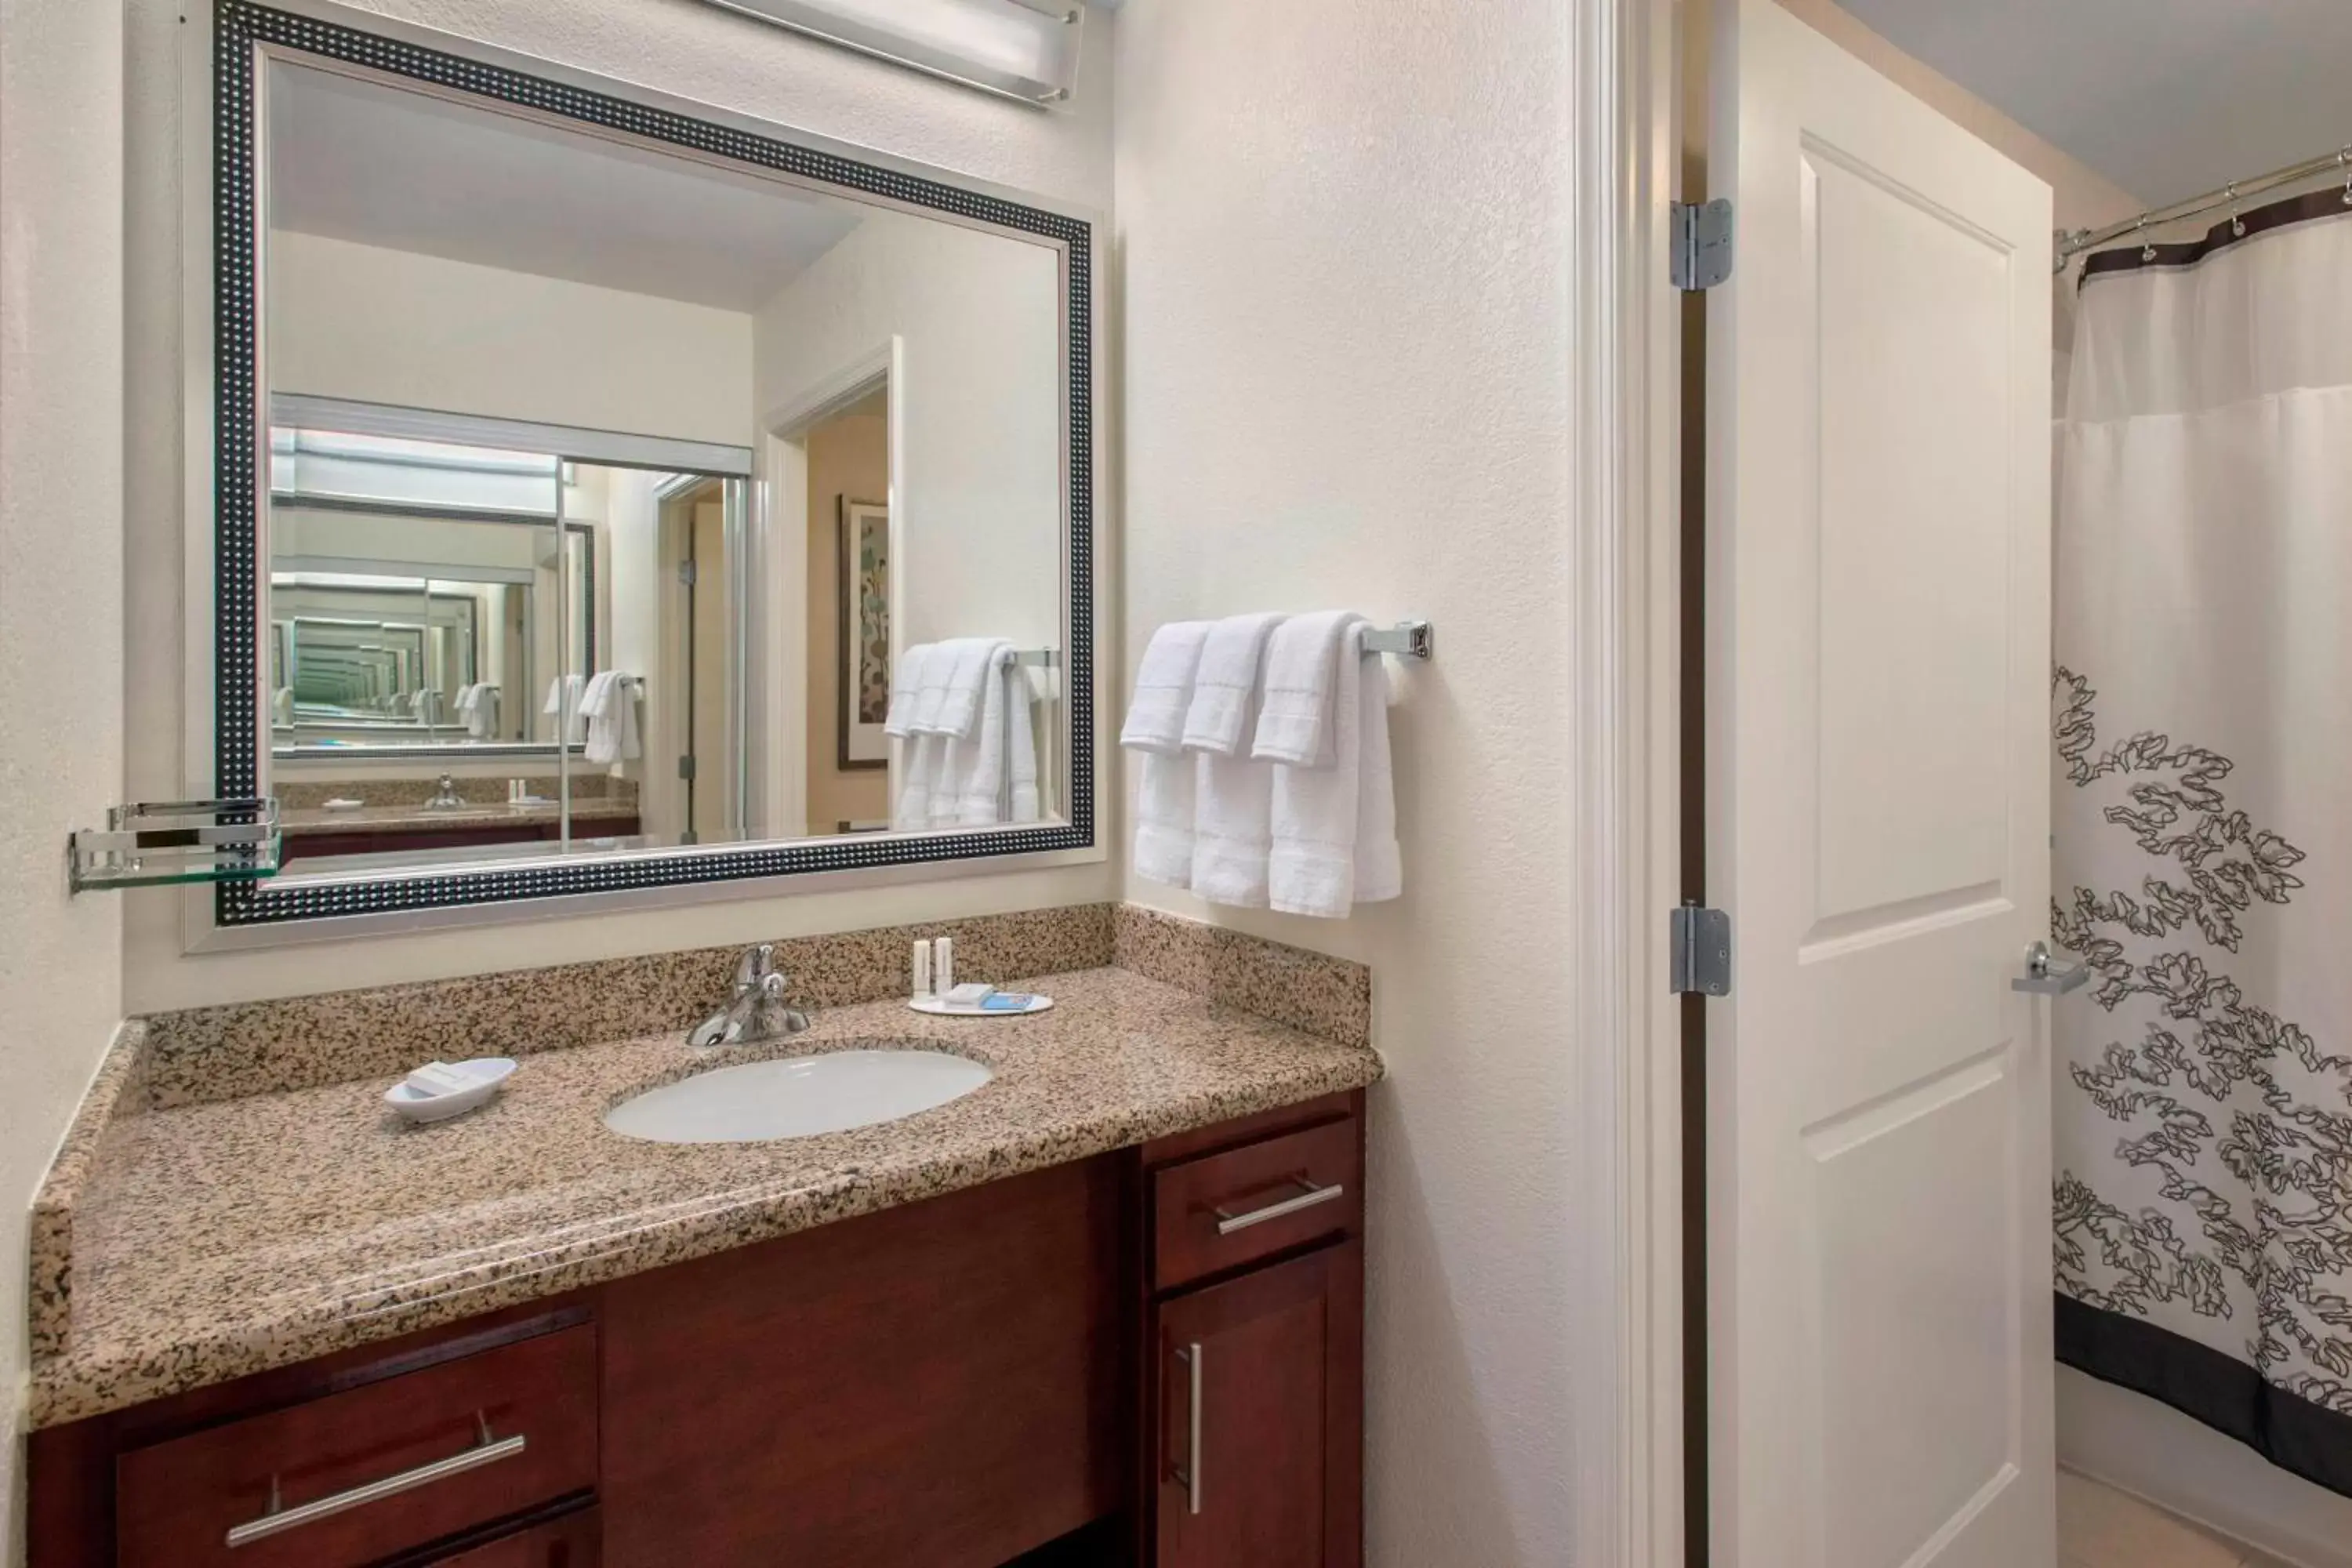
(610, 703)
(570, 690)
(906, 685)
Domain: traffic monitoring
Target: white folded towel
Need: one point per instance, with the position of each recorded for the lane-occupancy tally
(1226, 684)
(916, 777)
(1297, 723)
(1232, 830)
(905, 682)
(478, 703)
(948, 691)
(574, 687)
(1334, 827)
(1164, 690)
(610, 703)
(1155, 728)
(983, 791)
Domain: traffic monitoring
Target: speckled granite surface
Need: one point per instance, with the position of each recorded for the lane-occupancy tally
(305, 795)
(297, 822)
(243, 1235)
(302, 1042)
(1310, 991)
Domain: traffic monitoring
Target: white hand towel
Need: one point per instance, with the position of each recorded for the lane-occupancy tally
(611, 708)
(965, 690)
(572, 688)
(996, 770)
(916, 777)
(1335, 826)
(1163, 820)
(1298, 719)
(1232, 830)
(931, 677)
(905, 682)
(1226, 684)
(1164, 690)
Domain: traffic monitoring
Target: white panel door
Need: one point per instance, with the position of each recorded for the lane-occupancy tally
(1877, 667)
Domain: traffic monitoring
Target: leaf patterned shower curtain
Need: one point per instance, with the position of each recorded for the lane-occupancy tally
(2203, 832)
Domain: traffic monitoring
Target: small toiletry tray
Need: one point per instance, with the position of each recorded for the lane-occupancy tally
(940, 1009)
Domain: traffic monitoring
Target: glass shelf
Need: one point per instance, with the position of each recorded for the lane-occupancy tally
(159, 844)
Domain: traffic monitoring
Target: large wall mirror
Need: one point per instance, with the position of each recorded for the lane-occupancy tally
(609, 497)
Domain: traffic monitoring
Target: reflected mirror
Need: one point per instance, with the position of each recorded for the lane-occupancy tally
(627, 501)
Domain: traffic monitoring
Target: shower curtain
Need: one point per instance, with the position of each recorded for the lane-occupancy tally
(2203, 832)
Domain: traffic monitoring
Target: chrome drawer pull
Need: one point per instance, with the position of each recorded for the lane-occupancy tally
(1309, 1194)
(1189, 1477)
(486, 1451)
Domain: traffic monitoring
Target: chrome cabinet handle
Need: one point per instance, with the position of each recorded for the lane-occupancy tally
(2045, 978)
(486, 1451)
(1187, 1474)
(1309, 1194)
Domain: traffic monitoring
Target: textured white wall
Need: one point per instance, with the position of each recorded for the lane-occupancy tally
(1345, 246)
(979, 406)
(60, 604)
(421, 332)
(683, 47)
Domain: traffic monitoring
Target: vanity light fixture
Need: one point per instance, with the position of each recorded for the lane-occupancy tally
(1023, 49)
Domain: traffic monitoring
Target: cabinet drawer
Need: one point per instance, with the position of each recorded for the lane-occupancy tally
(359, 1475)
(1225, 1210)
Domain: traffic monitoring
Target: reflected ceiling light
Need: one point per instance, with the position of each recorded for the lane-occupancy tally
(1025, 49)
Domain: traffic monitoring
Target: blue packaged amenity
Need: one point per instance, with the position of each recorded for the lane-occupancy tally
(1005, 1002)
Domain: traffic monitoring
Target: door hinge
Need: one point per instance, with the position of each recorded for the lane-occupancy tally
(685, 572)
(1700, 961)
(686, 768)
(1702, 244)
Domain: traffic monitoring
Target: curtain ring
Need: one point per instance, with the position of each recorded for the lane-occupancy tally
(2237, 223)
(2148, 251)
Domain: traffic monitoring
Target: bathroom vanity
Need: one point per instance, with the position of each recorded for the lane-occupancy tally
(1109, 1304)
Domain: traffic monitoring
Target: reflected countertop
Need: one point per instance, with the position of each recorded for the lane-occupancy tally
(414, 817)
(212, 1241)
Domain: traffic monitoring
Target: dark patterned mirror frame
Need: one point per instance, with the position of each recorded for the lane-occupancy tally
(243, 34)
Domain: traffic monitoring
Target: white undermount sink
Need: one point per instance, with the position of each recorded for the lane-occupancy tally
(795, 1097)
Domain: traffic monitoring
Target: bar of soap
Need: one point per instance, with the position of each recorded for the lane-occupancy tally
(440, 1077)
(971, 994)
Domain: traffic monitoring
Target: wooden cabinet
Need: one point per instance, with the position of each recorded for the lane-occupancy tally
(571, 1541)
(1252, 1393)
(1003, 1375)
(1259, 1409)
(354, 1477)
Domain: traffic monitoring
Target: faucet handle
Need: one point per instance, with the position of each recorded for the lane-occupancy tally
(756, 965)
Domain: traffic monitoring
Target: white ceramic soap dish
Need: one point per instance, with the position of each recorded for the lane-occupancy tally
(416, 1105)
(940, 1009)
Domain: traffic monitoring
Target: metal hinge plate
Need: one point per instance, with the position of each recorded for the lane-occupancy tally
(1702, 244)
(685, 767)
(1701, 955)
(685, 572)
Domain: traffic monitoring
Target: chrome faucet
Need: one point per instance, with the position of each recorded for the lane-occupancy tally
(757, 1010)
(445, 797)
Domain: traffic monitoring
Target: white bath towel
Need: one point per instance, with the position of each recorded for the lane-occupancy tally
(568, 688)
(992, 775)
(916, 779)
(1334, 827)
(1164, 690)
(948, 700)
(1297, 722)
(906, 683)
(477, 706)
(1225, 686)
(610, 703)
(1155, 731)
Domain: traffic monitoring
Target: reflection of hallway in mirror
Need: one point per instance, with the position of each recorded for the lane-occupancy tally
(848, 591)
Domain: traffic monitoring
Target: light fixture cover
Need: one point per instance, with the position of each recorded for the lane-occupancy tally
(1025, 49)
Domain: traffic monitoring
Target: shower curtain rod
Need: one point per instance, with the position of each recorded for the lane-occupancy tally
(2074, 242)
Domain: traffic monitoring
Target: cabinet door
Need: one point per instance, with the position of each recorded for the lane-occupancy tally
(567, 1542)
(1259, 1414)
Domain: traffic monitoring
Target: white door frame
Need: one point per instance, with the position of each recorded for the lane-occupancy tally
(1624, 144)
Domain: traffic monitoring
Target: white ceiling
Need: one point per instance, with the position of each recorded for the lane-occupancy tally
(376, 165)
(2168, 99)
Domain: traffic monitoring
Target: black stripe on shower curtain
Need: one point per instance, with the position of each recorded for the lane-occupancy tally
(2227, 1394)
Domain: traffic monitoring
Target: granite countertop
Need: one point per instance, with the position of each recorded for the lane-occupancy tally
(412, 817)
(229, 1238)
